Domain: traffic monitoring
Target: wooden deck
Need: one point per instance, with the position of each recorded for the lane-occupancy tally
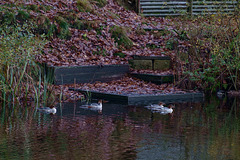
(145, 99)
(85, 74)
(185, 7)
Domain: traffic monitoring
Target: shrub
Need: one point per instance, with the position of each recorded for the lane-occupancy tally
(214, 54)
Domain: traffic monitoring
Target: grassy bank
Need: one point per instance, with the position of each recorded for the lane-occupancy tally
(204, 50)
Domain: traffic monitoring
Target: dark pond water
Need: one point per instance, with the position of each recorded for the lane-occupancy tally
(206, 130)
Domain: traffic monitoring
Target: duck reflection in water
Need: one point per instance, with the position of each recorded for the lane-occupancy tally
(93, 106)
(159, 108)
(155, 106)
(47, 110)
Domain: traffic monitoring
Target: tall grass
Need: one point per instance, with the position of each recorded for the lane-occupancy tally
(19, 73)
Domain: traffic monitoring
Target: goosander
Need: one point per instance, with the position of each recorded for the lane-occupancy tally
(93, 106)
(165, 110)
(221, 94)
(155, 106)
(47, 110)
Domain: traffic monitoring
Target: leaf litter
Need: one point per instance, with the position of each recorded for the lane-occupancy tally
(96, 46)
(129, 86)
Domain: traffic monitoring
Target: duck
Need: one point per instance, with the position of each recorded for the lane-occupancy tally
(93, 106)
(164, 110)
(47, 110)
(221, 94)
(155, 106)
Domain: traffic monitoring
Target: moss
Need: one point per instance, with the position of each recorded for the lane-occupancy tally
(84, 6)
(9, 18)
(33, 7)
(52, 30)
(22, 15)
(86, 25)
(63, 31)
(119, 54)
(43, 24)
(77, 24)
(120, 36)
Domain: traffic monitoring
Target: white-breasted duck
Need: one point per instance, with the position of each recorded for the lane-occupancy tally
(165, 110)
(93, 106)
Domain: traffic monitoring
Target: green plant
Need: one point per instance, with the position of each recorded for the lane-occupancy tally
(84, 6)
(214, 53)
(22, 15)
(120, 36)
(51, 31)
(152, 46)
(8, 18)
(120, 54)
(182, 35)
(43, 25)
(86, 25)
(33, 7)
(171, 44)
(101, 3)
(19, 71)
(63, 28)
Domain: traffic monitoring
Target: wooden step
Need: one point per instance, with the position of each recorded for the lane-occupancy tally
(84, 74)
(146, 99)
(151, 62)
(157, 79)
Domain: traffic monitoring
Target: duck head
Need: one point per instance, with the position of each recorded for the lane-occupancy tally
(100, 101)
(161, 103)
(171, 106)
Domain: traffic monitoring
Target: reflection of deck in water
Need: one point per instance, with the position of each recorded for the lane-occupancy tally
(74, 109)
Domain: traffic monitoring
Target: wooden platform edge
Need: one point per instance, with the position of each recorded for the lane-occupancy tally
(136, 57)
(84, 74)
(100, 95)
(145, 99)
(158, 79)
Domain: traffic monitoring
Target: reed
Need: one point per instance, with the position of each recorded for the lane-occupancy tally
(19, 73)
